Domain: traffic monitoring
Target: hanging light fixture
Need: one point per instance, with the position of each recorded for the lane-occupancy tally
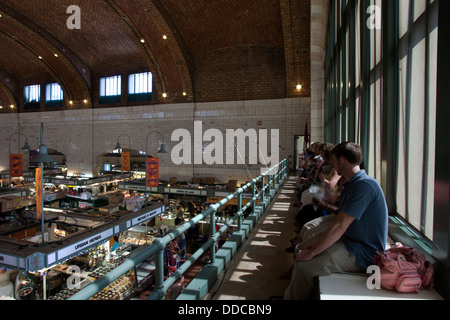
(162, 149)
(118, 144)
(42, 155)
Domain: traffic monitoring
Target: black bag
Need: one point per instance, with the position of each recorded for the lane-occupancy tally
(307, 214)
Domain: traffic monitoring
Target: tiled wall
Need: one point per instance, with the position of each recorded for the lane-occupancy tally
(84, 135)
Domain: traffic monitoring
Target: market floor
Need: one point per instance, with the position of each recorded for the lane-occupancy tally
(254, 273)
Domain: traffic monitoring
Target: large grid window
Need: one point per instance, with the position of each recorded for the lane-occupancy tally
(375, 100)
(110, 89)
(417, 106)
(140, 87)
(32, 96)
(54, 95)
(385, 99)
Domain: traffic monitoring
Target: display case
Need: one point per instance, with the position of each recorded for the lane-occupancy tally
(139, 235)
(92, 266)
(120, 289)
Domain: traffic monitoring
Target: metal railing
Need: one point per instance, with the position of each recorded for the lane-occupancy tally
(276, 174)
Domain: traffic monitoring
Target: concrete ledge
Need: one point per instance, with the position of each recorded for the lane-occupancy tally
(346, 286)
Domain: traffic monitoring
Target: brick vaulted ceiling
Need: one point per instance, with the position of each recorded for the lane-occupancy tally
(215, 50)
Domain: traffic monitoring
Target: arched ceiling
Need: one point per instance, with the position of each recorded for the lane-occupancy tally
(128, 35)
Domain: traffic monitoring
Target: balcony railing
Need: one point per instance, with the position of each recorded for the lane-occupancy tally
(271, 181)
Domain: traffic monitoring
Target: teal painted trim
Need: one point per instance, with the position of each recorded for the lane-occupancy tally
(203, 282)
(113, 275)
(199, 287)
(407, 235)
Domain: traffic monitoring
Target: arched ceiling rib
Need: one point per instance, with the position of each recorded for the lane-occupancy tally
(120, 36)
(41, 46)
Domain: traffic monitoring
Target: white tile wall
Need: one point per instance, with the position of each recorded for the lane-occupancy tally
(84, 135)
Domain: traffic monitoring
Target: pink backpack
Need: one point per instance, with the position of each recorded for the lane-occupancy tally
(404, 269)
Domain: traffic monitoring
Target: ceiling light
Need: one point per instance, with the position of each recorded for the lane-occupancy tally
(142, 40)
(164, 37)
(40, 57)
(56, 55)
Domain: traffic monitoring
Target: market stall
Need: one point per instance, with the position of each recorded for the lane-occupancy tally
(79, 249)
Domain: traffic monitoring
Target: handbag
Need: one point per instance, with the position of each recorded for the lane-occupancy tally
(404, 269)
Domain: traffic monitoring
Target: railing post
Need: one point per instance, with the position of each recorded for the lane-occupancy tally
(277, 176)
(212, 248)
(159, 262)
(263, 190)
(240, 210)
(254, 181)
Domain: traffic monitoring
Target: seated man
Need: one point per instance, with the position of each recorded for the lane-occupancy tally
(358, 232)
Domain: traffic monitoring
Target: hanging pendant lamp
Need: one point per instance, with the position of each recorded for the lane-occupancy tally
(42, 155)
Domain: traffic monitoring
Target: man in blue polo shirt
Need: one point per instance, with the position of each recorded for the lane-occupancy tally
(358, 232)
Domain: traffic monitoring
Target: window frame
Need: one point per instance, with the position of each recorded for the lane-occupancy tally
(53, 103)
(29, 102)
(141, 95)
(350, 118)
(110, 89)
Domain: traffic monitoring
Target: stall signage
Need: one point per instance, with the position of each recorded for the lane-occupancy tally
(226, 194)
(146, 216)
(125, 161)
(183, 191)
(96, 180)
(8, 260)
(233, 201)
(16, 165)
(83, 244)
(152, 172)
